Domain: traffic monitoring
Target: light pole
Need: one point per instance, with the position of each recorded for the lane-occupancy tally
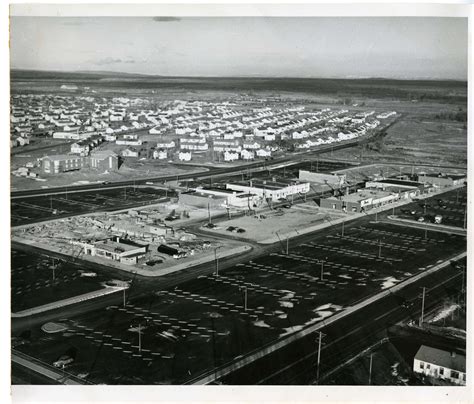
(422, 307)
(322, 269)
(319, 356)
(140, 337)
(370, 369)
(216, 260)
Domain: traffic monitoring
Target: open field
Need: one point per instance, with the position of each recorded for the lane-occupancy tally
(211, 320)
(430, 132)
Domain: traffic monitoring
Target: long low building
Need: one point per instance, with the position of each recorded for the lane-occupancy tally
(336, 180)
(270, 189)
(117, 249)
(104, 160)
(359, 201)
(442, 180)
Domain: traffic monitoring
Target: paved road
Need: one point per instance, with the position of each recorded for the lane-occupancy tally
(368, 313)
(296, 157)
(46, 370)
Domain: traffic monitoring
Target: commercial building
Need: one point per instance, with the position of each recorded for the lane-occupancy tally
(336, 180)
(440, 364)
(202, 200)
(117, 249)
(359, 201)
(404, 188)
(62, 163)
(104, 160)
(270, 189)
(442, 180)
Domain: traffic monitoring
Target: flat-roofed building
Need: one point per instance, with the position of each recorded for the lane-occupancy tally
(124, 251)
(359, 201)
(442, 180)
(336, 180)
(270, 189)
(62, 163)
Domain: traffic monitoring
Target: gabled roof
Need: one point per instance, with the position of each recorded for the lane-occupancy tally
(442, 358)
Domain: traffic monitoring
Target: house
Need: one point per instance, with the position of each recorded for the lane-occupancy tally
(263, 153)
(440, 364)
(160, 154)
(184, 156)
(166, 144)
(247, 155)
(128, 142)
(131, 152)
(80, 148)
(230, 156)
(104, 160)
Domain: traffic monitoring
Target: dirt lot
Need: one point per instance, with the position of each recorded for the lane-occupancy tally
(276, 224)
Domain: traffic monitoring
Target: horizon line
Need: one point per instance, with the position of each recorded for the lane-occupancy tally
(256, 76)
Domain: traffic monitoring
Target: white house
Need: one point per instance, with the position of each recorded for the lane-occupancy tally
(230, 156)
(263, 153)
(247, 154)
(129, 153)
(440, 364)
(160, 154)
(184, 156)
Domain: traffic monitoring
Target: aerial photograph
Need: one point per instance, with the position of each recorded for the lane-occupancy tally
(238, 200)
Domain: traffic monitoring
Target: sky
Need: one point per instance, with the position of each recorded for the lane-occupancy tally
(341, 47)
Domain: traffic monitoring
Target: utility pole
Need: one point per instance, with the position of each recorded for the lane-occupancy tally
(426, 233)
(380, 249)
(376, 221)
(370, 369)
(422, 307)
(322, 270)
(209, 211)
(342, 229)
(140, 337)
(319, 356)
(287, 244)
(245, 298)
(217, 261)
(124, 301)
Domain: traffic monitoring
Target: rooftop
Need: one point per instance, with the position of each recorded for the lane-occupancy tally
(443, 358)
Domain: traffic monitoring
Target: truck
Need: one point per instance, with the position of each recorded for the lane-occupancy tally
(438, 219)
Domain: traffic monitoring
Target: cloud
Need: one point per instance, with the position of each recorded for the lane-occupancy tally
(166, 19)
(111, 61)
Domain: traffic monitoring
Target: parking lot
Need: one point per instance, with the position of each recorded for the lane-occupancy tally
(450, 207)
(33, 209)
(38, 279)
(171, 335)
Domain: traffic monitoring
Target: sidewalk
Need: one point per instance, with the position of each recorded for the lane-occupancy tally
(66, 302)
